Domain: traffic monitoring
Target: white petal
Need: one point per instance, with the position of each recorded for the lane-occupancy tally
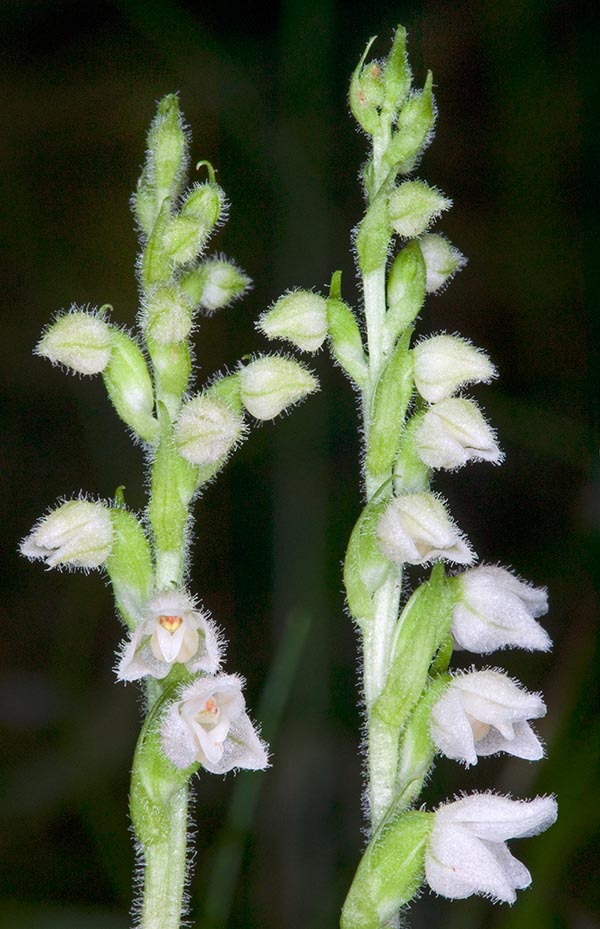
(177, 739)
(457, 865)
(524, 744)
(242, 749)
(451, 730)
(497, 818)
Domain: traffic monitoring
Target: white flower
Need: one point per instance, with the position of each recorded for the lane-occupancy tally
(484, 712)
(497, 610)
(443, 363)
(207, 429)
(78, 340)
(453, 432)
(467, 854)
(223, 282)
(78, 534)
(413, 206)
(209, 725)
(416, 528)
(172, 632)
(270, 384)
(300, 317)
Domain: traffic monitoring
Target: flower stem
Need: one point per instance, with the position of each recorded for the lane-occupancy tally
(165, 869)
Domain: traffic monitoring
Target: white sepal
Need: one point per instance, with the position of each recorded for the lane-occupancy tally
(416, 528)
(485, 712)
(497, 610)
(442, 261)
(173, 631)
(467, 854)
(207, 429)
(270, 384)
(299, 317)
(209, 725)
(224, 282)
(78, 534)
(453, 432)
(443, 363)
(78, 340)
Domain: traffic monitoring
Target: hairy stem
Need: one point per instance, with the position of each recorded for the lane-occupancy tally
(165, 869)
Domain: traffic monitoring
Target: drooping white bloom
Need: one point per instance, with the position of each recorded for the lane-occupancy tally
(207, 429)
(78, 340)
(299, 317)
(453, 432)
(485, 712)
(467, 852)
(442, 261)
(77, 534)
(416, 528)
(497, 610)
(271, 384)
(413, 206)
(209, 725)
(173, 631)
(443, 363)
(223, 283)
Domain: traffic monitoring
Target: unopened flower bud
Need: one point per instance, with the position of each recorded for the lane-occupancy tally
(186, 234)
(453, 432)
(167, 147)
(271, 384)
(396, 72)
(413, 206)
(413, 130)
(77, 534)
(444, 363)
(416, 528)
(367, 92)
(167, 315)
(442, 260)
(300, 317)
(207, 429)
(215, 284)
(129, 386)
(78, 340)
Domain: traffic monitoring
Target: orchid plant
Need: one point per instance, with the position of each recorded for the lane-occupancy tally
(195, 715)
(416, 419)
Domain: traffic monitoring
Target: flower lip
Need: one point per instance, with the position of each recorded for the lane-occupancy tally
(173, 631)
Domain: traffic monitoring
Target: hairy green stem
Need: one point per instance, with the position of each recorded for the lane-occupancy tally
(165, 869)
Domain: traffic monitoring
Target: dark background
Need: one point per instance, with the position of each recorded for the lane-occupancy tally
(264, 92)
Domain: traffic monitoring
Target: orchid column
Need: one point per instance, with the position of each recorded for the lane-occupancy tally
(195, 716)
(416, 419)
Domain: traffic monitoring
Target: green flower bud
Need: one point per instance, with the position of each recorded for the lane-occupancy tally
(129, 386)
(365, 568)
(413, 207)
(187, 233)
(167, 148)
(78, 340)
(300, 317)
(366, 93)
(172, 367)
(207, 430)
(215, 284)
(396, 73)
(167, 314)
(390, 872)
(271, 384)
(413, 129)
(405, 289)
(442, 261)
(145, 206)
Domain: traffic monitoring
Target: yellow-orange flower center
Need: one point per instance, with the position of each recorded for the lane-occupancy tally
(170, 623)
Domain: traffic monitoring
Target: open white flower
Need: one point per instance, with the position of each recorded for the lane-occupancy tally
(415, 528)
(467, 852)
(209, 725)
(77, 534)
(454, 432)
(172, 632)
(497, 610)
(484, 712)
